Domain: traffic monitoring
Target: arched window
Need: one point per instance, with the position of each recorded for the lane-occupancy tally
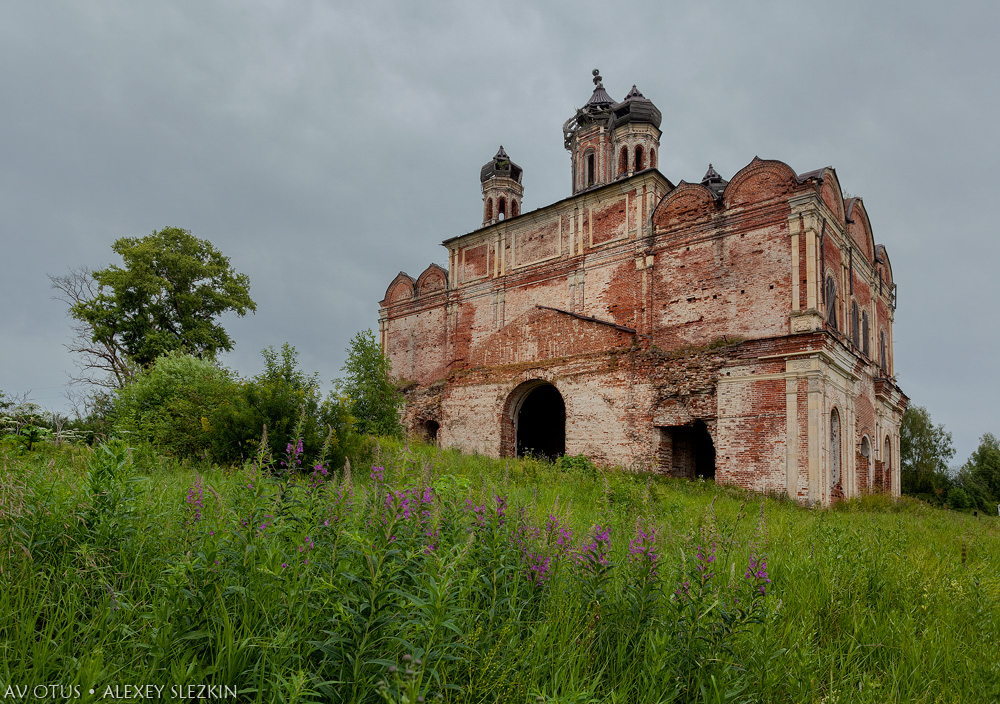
(866, 461)
(834, 447)
(883, 360)
(501, 208)
(652, 158)
(488, 211)
(640, 163)
(887, 464)
(591, 168)
(623, 161)
(514, 209)
(865, 345)
(855, 325)
(831, 302)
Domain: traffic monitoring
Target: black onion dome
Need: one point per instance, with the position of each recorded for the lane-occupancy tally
(500, 165)
(636, 108)
(714, 182)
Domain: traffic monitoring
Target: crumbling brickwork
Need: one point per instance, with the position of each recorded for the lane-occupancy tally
(738, 329)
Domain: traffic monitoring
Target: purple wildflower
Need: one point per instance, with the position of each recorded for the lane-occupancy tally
(194, 500)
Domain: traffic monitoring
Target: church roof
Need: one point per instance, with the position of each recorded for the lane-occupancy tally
(713, 181)
(500, 165)
(636, 108)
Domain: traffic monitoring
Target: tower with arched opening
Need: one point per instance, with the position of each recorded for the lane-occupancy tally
(502, 190)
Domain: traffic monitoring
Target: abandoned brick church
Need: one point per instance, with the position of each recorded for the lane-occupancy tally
(737, 329)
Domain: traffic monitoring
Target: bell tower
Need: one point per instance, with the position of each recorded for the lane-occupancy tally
(502, 189)
(586, 137)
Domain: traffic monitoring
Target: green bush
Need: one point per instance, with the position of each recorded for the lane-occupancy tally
(172, 403)
(289, 404)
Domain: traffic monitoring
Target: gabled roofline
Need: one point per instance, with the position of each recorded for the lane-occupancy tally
(637, 177)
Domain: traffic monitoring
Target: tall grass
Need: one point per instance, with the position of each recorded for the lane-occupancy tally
(440, 576)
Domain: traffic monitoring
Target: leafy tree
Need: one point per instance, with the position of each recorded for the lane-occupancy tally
(367, 382)
(981, 474)
(167, 296)
(925, 450)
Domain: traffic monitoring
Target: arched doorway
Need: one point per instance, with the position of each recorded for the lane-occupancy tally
(534, 421)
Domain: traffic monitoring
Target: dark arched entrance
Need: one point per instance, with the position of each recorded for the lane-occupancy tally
(540, 422)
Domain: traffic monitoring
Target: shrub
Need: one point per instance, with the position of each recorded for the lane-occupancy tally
(172, 403)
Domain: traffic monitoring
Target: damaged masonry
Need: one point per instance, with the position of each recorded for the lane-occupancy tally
(737, 329)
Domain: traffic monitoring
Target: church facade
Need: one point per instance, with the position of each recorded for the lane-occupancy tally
(736, 329)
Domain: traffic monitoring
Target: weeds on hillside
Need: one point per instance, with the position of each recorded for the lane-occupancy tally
(427, 578)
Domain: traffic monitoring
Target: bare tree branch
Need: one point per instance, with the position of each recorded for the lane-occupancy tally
(101, 362)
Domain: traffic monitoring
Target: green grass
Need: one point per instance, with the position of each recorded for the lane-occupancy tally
(294, 592)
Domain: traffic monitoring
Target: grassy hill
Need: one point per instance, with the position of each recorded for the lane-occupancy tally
(465, 579)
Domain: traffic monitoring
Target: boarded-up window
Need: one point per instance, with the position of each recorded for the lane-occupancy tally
(831, 302)
(883, 359)
(855, 325)
(865, 335)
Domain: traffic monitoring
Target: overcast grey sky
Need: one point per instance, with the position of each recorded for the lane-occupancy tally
(324, 146)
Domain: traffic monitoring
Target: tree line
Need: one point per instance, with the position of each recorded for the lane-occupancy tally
(925, 452)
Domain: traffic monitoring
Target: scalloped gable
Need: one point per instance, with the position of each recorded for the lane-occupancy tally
(759, 180)
(882, 257)
(402, 288)
(831, 192)
(685, 203)
(859, 227)
(434, 278)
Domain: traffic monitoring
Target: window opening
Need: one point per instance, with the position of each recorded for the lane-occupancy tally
(866, 462)
(501, 209)
(855, 325)
(886, 464)
(489, 210)
(881, 352)
(623, 161)
(591, 169)
(514, 209)
(639, 162)
(831, 302)
(834, 447)
(865, 345)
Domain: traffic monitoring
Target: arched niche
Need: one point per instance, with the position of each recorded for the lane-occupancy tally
(434, 278)
(831, 193)
(882, 258)
(859, 227)
(686, 203)
(758, 181)
(402, 288)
